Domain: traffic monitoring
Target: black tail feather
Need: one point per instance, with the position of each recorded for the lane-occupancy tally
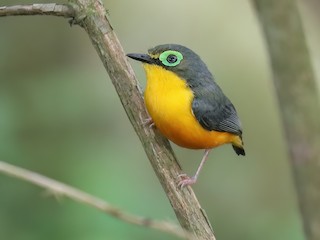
(239, 150)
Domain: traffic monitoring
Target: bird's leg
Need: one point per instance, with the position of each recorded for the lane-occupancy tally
(191, 180)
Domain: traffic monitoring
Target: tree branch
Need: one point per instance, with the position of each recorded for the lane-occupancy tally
(53, 9)
(62, 190)
(184, 202)
(298, 98)
(91, 15)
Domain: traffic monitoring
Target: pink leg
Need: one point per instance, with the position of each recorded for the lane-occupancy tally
(191, 180)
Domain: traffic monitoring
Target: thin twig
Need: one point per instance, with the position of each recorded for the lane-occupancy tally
(60, 189)
(53, 9)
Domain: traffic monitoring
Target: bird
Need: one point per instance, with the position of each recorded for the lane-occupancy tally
(186, 104)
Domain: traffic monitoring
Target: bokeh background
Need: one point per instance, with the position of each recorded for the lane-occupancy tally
(60, 116)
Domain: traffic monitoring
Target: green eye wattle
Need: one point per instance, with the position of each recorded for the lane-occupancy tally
(170, 58)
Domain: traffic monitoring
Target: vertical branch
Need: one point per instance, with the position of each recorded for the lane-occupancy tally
(91, 15)
(298, 100)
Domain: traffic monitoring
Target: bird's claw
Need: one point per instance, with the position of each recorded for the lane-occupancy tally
(147, 122)
(186, 180)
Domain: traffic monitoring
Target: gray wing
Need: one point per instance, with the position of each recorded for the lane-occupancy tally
(216, 113)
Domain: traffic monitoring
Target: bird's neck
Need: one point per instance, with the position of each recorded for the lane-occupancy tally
(161, 80)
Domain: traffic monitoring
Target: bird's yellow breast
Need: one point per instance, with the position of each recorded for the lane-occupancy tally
(169, 99)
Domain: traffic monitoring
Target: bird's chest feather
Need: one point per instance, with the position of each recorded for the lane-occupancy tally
(168, 98)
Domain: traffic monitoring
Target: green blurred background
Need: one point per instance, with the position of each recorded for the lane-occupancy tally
(60, 116)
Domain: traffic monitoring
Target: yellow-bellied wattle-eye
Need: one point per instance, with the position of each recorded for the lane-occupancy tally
(186, 104)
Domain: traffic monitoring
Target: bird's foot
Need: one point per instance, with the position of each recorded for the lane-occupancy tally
(186, 180)
(147, 122)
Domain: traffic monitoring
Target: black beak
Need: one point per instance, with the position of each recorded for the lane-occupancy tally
(141, 57)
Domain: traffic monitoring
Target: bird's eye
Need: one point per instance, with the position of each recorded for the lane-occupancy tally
(170, 58)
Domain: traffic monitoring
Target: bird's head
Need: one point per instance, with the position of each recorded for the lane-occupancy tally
(177, 59)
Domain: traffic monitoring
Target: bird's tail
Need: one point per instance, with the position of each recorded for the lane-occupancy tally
(238, 146)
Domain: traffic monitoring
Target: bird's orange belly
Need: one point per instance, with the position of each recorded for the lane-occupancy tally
(187, 132)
